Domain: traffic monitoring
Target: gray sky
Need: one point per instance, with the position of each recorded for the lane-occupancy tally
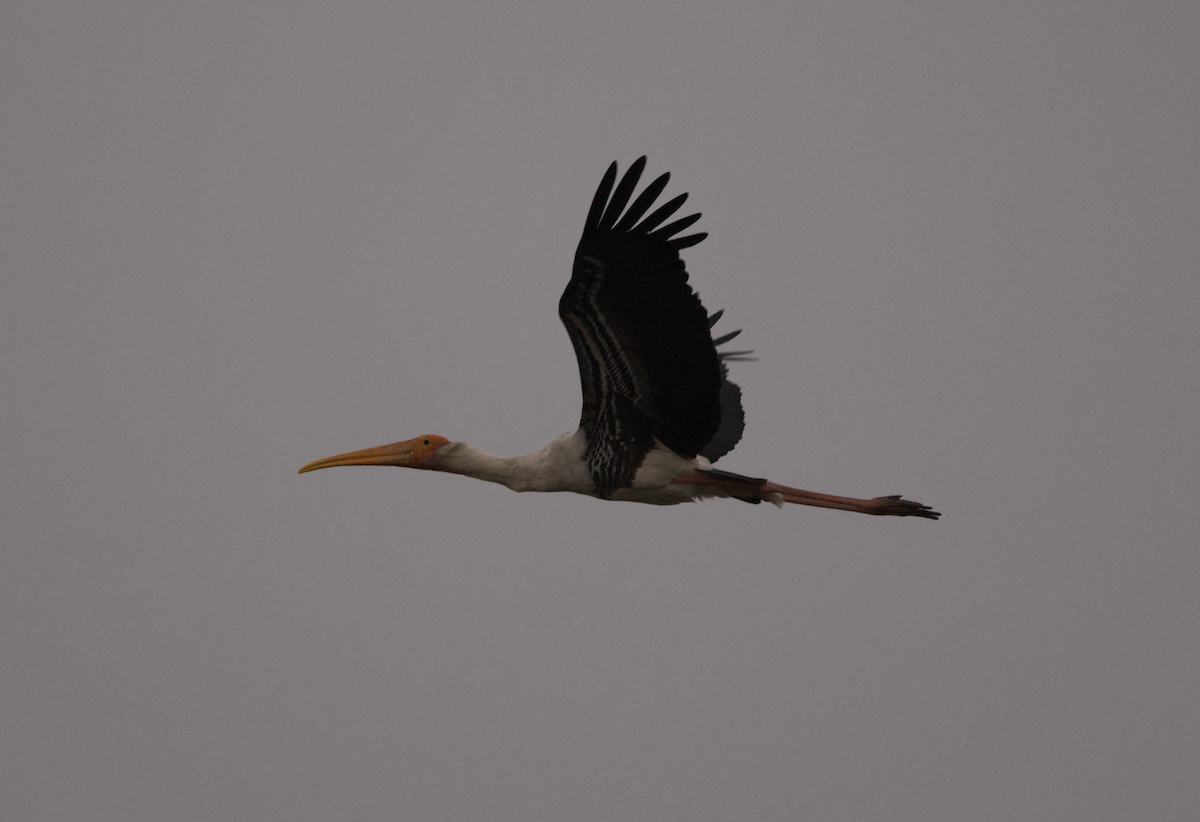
(240, 236)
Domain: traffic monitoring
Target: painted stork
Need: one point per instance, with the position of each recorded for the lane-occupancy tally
(658, 406)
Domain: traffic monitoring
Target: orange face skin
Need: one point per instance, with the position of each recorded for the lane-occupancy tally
(415, 453)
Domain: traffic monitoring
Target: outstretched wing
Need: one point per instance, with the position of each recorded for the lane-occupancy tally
(647, 362)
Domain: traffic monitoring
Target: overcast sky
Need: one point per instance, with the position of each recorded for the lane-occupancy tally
(963, 238)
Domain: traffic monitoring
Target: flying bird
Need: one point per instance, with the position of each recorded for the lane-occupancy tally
(658, 406)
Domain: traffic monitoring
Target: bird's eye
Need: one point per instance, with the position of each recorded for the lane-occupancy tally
(425, 441)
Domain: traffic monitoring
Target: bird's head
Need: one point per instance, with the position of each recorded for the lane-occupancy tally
(417, 453)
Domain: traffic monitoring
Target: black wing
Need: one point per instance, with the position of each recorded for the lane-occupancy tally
(647, 362)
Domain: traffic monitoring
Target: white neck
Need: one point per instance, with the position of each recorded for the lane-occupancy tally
(460, 458)
(556, 467)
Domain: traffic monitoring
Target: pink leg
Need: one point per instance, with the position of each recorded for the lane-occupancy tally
(879, 506)
(765, 489)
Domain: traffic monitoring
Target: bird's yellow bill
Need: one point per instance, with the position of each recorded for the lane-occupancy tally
(414, 453)
(397, 453)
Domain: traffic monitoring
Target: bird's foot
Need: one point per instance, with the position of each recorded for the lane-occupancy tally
(897, 507)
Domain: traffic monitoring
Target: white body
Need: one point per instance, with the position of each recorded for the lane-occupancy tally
(559, 466)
